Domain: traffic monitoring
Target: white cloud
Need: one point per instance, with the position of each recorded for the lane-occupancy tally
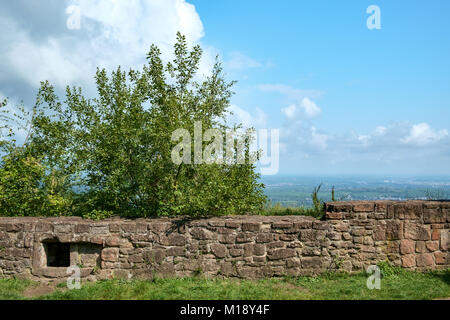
(112, 33)
(34, 63)
(399, 147)
(300, 103)
(319, 139)
(421, 134)
(306, 108)
(395, 137)
(392, 140)
(248, 120)
(310, 108)
(239, 61)
(380, 130)
(290, 111)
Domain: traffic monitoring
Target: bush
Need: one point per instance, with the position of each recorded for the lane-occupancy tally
(26, 189)
(112, 154)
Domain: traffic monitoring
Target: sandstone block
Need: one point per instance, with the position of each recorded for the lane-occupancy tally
(277, 254)
(408, 211)
(311, 262)
(110, 254)
(434, 216)
(264, 237)
(440, 257)
(334, 215)
(364, 207)
(408, 261)
(219, 250)
(250, 226)
(421, 247)
(407, 246)
(424, 260)
(416, 231)
(394, 230)
(445, 240)
(202, 234)
(432, 246)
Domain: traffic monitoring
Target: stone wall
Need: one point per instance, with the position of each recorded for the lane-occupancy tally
(353, 235)
(410, 234)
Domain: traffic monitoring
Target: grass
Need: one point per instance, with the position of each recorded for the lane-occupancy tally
(317, 211)
(278, 210)
(12, 289)
(394, 285)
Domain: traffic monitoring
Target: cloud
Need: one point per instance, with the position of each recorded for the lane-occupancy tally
(248, 120)
(112, 33)
(396, 147)
(318, 139)
(305, 108)
(421, 134)
(301, 137)
(239, 61)
(290, 111)
(300, 103)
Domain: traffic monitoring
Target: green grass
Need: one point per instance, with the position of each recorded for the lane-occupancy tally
(289, 211)
(11, 289)
(316, 211)
(394, 285)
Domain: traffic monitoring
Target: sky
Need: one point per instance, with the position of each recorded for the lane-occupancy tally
(346, 99)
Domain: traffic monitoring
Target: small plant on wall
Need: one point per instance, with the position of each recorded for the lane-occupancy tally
(317, 202)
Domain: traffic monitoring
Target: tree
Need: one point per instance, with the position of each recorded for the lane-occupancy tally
(112, 154)
(26, 187)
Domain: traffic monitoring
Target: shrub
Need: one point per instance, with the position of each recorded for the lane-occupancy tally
(112, 154)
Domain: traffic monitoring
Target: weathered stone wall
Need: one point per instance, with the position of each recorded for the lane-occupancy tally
(412, 234)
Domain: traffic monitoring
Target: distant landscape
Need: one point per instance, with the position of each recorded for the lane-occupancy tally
(292, 191)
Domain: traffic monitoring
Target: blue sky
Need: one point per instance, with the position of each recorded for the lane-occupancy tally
(345, 98)
(368, 78)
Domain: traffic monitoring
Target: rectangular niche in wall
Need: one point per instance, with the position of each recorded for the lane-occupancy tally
(57, 254)
(62, 255)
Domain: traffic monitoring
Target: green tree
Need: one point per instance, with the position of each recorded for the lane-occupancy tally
(112, 154)
(27, 188)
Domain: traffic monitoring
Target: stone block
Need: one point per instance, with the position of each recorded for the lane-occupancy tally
(408, 211)
(278, 254)
(434, 216)
(441, 258)
(250, 226)
(394, 230)
(264, 237)
(417, 231)
(408, 261)
(110, 254)
(311, 262)
(219, 250)
(425, 260)
(364, 207)
(407, 246)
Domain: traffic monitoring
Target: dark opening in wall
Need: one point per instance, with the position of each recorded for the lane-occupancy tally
(57, 253)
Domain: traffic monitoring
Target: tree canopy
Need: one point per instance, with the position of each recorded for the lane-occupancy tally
(111, 155)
